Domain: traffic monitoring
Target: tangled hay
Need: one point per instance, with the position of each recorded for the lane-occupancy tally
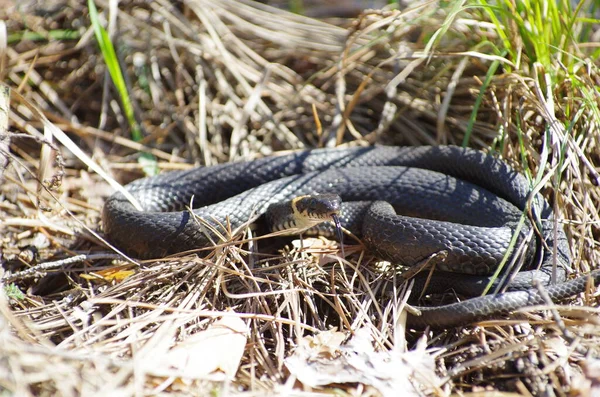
(211, 82)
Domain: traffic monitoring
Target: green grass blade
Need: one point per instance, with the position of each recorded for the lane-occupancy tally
(58, 34)
(488, 78)
(112, 63)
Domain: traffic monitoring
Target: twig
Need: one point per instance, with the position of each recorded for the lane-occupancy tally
(555, 315)
(4, 137)
(42, 268)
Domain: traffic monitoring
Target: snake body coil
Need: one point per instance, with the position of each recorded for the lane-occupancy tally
(466, 203)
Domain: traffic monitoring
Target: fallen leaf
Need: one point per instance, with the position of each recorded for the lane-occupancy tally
(322, 360)
(215, 352)
(117, 274)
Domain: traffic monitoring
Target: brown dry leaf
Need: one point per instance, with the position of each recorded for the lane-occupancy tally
(214, 353)
(326, 344)
(324, 250)
(557, 347)
(117, 274)
(588, 383)
(322, 360)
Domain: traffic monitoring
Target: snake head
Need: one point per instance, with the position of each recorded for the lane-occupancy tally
(303, 212)
(316, 208)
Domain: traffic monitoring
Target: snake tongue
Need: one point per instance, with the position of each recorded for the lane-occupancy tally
(338, 227)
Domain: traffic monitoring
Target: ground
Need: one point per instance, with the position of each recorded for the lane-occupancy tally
(137, 87)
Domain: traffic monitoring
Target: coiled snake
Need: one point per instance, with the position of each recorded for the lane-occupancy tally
(456, 200)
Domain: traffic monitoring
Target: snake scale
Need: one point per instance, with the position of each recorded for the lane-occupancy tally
(447, 198)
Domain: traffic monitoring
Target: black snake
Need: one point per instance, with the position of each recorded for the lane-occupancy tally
(452, 199)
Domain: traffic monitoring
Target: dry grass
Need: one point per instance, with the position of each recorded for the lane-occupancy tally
(218, 81)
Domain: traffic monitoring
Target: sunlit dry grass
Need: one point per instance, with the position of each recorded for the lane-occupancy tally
(211, 82)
